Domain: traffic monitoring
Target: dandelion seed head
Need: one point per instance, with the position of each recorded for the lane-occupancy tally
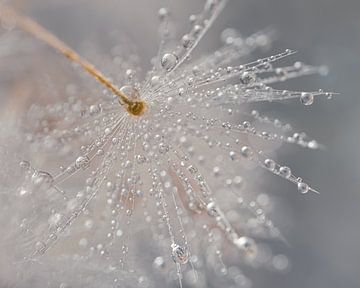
(153, 182)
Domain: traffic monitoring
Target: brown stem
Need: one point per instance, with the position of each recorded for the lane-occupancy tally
(35, 29)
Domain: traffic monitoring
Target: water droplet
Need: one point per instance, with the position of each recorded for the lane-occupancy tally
(82, 162)
(313, 144)
(245, 151)
(163, 13)
(303, 187)
(163, 148)
(280, 262)
(232, 155)
(285, 171)
(40, 247)
(211, 209)
(169, 61)
(130, 92)
(179, 254)
(42, 180)
(270, 164)
(307, 98)
(54, 219)
(89, 224)
(140, 159)
(247, 78)
(119, 233)
(155, 80)
(94, 109)
(25, 164)
(246, 244)
(186, 41)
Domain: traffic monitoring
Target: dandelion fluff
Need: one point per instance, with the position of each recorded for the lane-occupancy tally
(136, 181)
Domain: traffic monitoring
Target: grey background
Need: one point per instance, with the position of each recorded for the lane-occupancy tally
(323, 230)
(324, 236)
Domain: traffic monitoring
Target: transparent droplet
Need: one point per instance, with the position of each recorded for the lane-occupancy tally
(245, 151)
(163, 13)
(82, 162)
(186, 41)
(247, 245)
(163, 148)
(285, 171)
(25, 164)
(232, 155)
(130, 92)
(211, 209)
(280, 262)
(42, 180)
(119, 233)
(247, 78)
(94, 109)
(307, 98)
(54, 219)
(313, 144)
(303, 187)
(270, 164)
(169, 61)
(40, 247)
(179, 254)
(155, 80)
(140, 159)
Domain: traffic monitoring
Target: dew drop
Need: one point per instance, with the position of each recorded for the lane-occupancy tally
(280, 262)
(82, 162)
(303, 187)
(285, 171)
(246, 244)
(245, 151)
(40, 247)
(163, 148)
(211, 209)
(155, 80)
(307, 98)
(179, 254)
(24, 164)
(169, 61)
(42, 179)
(186, 41)
(270, 164)
(163, 13)
(130, 92)
(247, 78)
(94, 109)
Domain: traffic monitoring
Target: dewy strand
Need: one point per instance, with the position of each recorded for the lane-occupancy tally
(135, 107)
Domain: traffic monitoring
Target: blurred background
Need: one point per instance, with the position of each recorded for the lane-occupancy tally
(323, 230)
(324, 233)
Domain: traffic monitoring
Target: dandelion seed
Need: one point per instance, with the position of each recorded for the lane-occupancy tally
(158, 168)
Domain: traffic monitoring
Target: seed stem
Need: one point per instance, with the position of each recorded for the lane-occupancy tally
(30, 26)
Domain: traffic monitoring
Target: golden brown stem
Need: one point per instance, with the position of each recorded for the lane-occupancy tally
(46, 36)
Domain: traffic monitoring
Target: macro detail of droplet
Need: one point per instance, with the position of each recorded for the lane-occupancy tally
(307, 98)
(168, 61)
(179, 254)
